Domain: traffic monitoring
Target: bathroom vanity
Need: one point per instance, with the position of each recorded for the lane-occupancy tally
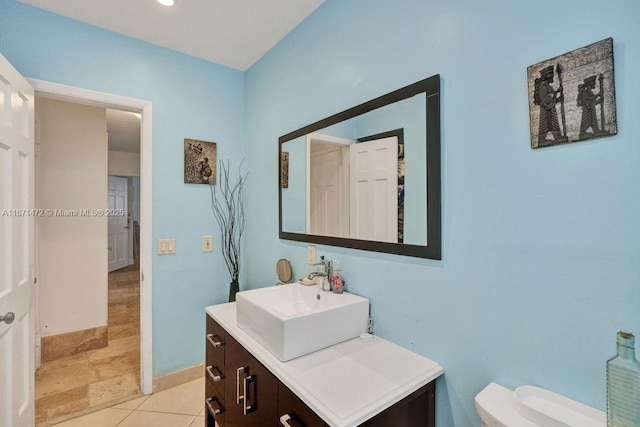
(353, 383)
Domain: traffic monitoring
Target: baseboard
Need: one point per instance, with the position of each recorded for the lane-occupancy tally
(61, 345)
(164, 382)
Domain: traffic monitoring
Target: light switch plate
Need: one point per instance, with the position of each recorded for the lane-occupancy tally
(311, 255)
(166, 246)
(207, 243)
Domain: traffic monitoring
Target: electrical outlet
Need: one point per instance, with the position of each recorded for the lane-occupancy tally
(207, 243)
(311, 255)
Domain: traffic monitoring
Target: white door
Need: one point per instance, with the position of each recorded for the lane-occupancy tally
(329, 190)
(118, 228)
(17, 332)
(374, 190)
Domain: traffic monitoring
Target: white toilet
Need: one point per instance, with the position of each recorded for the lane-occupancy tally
(530, 406)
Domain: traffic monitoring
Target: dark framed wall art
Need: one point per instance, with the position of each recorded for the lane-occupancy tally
(572, 96)
(284, 169)
(200, 159)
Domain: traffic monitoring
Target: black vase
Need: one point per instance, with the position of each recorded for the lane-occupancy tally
(234, 287)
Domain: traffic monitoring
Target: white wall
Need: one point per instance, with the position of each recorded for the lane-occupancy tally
(124, 164)
(71, 175)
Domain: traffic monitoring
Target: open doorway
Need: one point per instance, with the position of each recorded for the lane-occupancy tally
(102, 363)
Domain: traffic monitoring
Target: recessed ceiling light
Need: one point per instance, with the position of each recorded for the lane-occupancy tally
(166, 2)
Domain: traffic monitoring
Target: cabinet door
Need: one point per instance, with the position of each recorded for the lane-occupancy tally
(262, 396)
(416, 410)
(250, 389)
(293, 412)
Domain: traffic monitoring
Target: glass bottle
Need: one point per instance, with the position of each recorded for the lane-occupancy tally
(623, 384)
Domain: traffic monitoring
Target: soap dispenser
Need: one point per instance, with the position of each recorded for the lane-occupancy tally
(337, 281)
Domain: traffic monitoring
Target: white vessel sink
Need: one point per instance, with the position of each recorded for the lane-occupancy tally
(293, 320)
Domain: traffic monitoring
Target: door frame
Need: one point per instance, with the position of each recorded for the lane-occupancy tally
(94, 98)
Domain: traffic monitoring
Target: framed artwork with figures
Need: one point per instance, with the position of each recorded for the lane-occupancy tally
(572, 96)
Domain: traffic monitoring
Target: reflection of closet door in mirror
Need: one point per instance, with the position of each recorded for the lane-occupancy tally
(329, 190)
(374, 190)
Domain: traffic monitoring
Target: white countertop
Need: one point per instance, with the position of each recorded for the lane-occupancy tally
(347, 383)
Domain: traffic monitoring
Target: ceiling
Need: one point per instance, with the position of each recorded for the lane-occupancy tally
(235, 33)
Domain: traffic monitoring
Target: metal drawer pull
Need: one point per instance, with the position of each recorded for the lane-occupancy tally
(212, 410)
(239, 398)
(214, 343)
(217, 376)
(287, 421)
(247, 408)
(284, 420)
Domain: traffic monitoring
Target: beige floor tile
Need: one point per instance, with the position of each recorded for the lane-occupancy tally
(184, 399)
(68, 408)
(109, 417)
(61, 398)
(116, 347)
(61, 380)
(109, 367)
(125, 317)
(73, 360)
(46, 367)
(156, 419)
(198, 422)
(122, 331)
(113, 389)
(132, 404)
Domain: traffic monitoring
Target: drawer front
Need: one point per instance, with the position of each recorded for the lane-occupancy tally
(214, 405)
(294, 412)
(215, 340)
(215, 375)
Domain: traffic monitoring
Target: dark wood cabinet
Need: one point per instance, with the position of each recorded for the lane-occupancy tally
(294, 412)
(215, 373)
(251, 390)
(417, 409)
(241, 392)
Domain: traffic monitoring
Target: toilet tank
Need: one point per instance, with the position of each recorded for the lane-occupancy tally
(530, 406)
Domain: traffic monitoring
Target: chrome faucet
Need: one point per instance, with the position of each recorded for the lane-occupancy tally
(315, 274)
(326, 267)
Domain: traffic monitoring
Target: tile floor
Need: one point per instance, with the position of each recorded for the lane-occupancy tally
(94, 379)
(181, 406)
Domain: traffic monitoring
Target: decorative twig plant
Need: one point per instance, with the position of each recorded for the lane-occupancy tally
(227, 203)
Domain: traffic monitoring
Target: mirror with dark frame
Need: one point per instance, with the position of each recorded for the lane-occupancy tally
(369, 177)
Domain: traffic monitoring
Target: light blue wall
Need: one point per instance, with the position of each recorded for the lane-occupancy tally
(540, 247)
(294, 197)
(191, 98)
